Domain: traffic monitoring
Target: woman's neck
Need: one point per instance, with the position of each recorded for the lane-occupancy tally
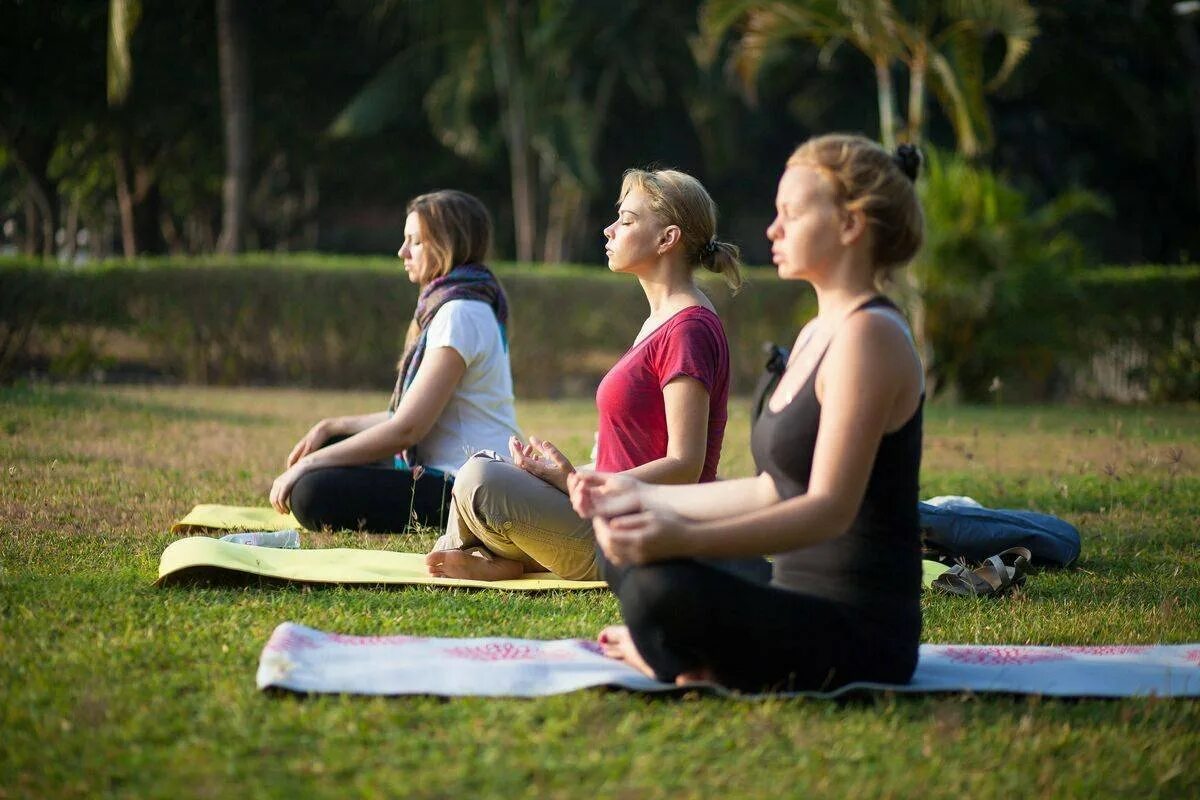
(843, 288)
(669, 287)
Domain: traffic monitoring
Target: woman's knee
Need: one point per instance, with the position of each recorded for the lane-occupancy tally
(313, 499)
(483, 484)
(654, 594)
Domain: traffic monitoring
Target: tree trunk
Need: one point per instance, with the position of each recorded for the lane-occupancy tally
(41, 205)
(510, 85)
(566, 199)
(31, 244)
(125, 204)
(887, 115)
(71, 229)
(233, 60)
(916, 96)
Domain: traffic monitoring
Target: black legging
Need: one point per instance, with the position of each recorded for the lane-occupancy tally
(375, 499)
(685, 615)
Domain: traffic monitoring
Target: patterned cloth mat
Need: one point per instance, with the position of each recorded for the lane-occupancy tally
(202, 559)
(302, 659)
(209, 517)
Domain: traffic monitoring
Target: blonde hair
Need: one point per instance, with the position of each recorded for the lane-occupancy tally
(455, 229)
(677, 198)
(869, 179)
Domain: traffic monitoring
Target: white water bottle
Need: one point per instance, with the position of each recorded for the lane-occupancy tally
(287, 540)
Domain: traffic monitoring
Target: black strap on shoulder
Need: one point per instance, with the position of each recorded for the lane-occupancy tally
(777, 358)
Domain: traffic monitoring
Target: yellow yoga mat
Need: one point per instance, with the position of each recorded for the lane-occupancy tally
(362, 566)
(202, 558)
(930, 570)
(234, 518)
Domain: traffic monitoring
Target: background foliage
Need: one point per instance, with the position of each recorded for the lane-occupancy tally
(339, 322)
(359, 105)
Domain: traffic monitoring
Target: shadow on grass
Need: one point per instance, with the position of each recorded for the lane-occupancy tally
(59, 399)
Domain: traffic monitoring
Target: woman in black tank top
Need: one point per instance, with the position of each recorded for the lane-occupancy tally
(837, 447)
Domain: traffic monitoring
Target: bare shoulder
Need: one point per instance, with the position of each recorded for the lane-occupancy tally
(877, 337)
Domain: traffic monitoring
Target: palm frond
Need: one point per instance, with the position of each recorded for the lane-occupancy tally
(1015, 20)
(950, 96)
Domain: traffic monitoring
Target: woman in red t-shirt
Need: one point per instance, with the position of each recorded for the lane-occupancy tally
(662, 407)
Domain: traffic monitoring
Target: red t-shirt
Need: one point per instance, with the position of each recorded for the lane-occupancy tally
(633, 418)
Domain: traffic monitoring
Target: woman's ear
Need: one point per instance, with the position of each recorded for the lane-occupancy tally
(854, 226)
(670, 236)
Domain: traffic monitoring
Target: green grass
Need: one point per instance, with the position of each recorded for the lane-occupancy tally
(109, 687)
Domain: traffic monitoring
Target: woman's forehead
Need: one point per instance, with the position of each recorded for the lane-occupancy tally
(802, 181)
(634, 200)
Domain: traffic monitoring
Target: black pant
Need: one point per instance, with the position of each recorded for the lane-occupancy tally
(375, 499)
(686, 615)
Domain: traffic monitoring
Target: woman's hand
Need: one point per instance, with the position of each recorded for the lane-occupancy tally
(604, 494)
(316, 436)
(640, 538)
(543, 460)
(281, 490)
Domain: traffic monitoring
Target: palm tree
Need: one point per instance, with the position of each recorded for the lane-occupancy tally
(940, 42)
(529, 61)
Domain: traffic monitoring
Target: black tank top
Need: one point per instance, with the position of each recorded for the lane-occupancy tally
(875, 566)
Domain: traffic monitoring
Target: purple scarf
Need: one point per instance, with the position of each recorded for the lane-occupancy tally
(465, 282)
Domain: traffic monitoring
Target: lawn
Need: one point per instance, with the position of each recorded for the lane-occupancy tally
(110, 687)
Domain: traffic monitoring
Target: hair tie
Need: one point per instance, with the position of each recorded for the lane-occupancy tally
(710, 247)
(908, 159)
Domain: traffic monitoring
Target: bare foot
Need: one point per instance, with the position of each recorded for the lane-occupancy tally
(702, 675)
(616, 643)
(464, 564)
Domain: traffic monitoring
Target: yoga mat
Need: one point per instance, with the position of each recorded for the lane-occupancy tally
(199, 558)
(301, 659)
(234, 518)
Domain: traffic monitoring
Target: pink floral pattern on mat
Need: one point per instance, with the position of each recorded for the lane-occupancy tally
(1193, 656)
(508, 651)
(495, 651)
(371, 641)
(1108, 649)
(291, 640)
(1003, 656)
(591, 645)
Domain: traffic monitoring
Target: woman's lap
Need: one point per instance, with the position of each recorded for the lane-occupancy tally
(518, 516)
(374, 499)
(685, 616)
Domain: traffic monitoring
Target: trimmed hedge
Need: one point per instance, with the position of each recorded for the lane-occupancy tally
(339, 322)
(312, 325)
(1146, 320)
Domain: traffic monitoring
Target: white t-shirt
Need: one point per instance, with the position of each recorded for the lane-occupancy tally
(480, 414)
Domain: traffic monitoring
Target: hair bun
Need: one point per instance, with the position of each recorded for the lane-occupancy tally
(908, 159)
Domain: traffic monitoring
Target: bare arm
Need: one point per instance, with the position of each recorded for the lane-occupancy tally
(419, 409)
(595, 494)
(434, 385)
(330, 427)
(686, 404)
(357, 423)
(869, 373)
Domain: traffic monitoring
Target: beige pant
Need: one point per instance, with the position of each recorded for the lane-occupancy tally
(520, 517)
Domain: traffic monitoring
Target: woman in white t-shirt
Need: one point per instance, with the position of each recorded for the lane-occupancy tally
(453, 394)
